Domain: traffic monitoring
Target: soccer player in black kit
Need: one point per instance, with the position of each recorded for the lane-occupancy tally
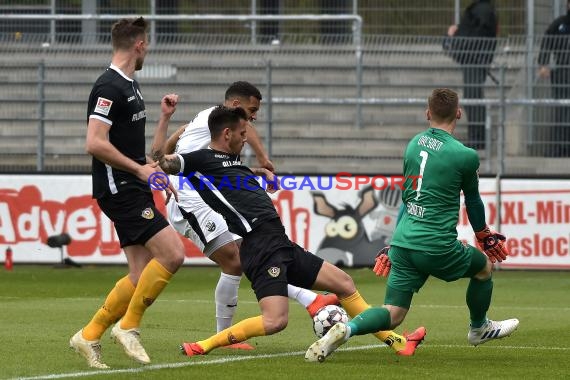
(116, 117)
(268, 258)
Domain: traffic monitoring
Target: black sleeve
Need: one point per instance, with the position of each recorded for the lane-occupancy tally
(470, 187)
(190, 162)
(105, 103)
(547, 43)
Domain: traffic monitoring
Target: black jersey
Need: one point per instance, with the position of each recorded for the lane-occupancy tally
(117, 100)
(228, 187)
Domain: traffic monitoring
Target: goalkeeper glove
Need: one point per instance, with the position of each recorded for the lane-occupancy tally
(491, 242)
(383, 264)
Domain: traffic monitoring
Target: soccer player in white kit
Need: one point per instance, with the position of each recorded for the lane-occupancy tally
(194, 219)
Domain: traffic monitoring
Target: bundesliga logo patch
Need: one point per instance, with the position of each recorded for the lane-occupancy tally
(103, 106)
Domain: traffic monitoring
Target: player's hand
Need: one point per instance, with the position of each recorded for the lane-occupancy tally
(271, 180)
(161, 181)
(491, 242)
(168, 104)
(383, 264)
(267, 164)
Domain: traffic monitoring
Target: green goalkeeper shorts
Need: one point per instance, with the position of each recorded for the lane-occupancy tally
(410, 269)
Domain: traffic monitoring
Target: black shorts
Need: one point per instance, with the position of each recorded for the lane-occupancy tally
(135, 217)
(271, 261)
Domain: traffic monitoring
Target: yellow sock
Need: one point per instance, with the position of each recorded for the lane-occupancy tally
(112, 310)
(153, 279)
(355, 304)
(239, 332)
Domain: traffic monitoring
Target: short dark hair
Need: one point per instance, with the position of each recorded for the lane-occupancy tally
(125, 32)
(443, 104)
(223, 117)
(242, 89)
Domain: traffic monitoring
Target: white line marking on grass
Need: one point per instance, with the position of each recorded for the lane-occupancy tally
(155, 367)
(190, 300)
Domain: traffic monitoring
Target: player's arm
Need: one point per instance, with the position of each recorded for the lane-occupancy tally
(98, 145)
(185, 163)
(254, 141)
(170, 144)
(167, 109)
(490, 242)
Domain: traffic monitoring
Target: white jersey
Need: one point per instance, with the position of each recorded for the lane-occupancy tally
(206, 224)
(196, 135)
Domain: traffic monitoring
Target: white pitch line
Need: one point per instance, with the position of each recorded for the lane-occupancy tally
(155, 367)
(426, 306)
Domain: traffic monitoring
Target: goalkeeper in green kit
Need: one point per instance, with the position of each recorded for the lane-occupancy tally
(437, 167)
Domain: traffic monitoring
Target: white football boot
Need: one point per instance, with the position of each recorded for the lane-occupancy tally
(492, 330)
(89, 349)
(131, 341)
(327, 344)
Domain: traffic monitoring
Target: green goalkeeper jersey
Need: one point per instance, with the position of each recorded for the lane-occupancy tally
(436, 167)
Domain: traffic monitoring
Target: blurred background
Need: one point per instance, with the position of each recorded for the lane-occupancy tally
(343, 93)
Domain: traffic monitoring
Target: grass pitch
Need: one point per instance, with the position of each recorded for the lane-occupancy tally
(42, 307)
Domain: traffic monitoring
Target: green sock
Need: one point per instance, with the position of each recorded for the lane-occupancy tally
(370, 321)
(478, 299)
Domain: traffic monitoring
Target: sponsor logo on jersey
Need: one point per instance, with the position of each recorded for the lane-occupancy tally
(139, 115)
(103, 106)
(274, 271)
(210, 226)
(147, 213)
(130, 99)
(227, 164)
(415, 209)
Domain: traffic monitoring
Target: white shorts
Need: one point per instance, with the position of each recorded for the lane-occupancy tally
(199, 222)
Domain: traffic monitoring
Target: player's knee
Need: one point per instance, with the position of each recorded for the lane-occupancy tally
(397, 315)
(275, 324)
(227, 257)
(346, 286)
(486, 272)
(395, 319)
(177, 258)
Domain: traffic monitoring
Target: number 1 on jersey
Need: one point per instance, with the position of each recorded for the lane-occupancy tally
(424, 156)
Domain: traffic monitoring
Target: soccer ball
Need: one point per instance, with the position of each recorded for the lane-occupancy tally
(327, 317)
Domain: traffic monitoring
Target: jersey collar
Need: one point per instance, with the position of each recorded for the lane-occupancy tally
(120, 72)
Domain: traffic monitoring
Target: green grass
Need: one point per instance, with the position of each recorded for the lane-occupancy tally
(41, 307)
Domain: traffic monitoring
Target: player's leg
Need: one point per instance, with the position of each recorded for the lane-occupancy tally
(208, 230)
(151, 233)
(87, 340)
(119, 209)
(310, 300)
(168, 256)
(478, 299)
(224, 252)
(266, 254)
(331, 278)
(273, 318)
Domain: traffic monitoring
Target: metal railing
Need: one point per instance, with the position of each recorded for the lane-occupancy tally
(322, 109)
